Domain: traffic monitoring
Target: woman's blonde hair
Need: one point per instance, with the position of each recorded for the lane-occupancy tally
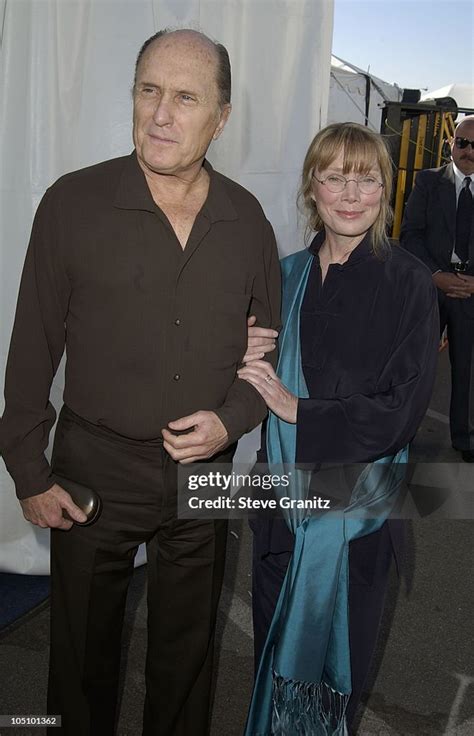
(363, 149)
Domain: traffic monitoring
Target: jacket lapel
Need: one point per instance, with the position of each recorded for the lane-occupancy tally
(471, 239)
(447, 196)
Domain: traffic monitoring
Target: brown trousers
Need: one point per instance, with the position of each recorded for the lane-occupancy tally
(91, 568)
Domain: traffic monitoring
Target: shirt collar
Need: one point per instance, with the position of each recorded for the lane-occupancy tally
(218, 205)
(133, 193)
(361, 252)
(459, 179)
(459, 175)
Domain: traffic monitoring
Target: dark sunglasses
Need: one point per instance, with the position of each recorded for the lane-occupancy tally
(463, 143)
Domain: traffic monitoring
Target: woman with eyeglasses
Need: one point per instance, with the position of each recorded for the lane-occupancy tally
(356, 368)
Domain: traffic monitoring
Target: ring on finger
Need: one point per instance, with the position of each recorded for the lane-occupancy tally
(269, 378)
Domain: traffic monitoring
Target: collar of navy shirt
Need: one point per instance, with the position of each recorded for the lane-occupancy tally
(361, 252)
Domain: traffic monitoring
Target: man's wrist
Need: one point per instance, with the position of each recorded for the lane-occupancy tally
(230, 423)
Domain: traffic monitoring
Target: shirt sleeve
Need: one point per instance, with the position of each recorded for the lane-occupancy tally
(244, 408)
(413, 235)
(36, 347)
(361, 428)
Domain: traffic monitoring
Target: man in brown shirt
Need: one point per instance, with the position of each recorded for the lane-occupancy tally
(145, 268)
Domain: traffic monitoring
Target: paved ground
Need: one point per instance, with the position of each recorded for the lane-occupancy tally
(423, 678)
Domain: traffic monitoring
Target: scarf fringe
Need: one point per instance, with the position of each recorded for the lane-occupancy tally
(307, 709)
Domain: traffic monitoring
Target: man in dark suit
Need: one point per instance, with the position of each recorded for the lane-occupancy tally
(438, 227)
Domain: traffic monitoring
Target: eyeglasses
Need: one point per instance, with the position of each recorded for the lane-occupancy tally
(336, 183)
(463, 143)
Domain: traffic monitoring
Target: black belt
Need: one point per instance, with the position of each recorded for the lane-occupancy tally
(460, 267)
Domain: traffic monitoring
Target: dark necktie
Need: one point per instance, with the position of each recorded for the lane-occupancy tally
(463, 221)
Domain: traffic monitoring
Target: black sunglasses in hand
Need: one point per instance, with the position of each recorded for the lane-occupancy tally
(463, 143)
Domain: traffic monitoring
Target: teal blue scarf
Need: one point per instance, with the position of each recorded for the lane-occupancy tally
(304, 678)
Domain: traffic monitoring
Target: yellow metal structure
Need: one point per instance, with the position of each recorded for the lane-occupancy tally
(418, 135)
(401, 179)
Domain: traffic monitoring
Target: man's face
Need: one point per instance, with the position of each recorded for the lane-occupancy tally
(176, 112)
(464, 157)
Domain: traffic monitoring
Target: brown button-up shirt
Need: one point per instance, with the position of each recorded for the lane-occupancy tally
(152, 332)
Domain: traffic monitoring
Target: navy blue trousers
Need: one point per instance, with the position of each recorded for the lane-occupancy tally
(458, 316)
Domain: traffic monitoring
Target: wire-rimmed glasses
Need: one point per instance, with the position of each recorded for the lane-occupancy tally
(336, 183)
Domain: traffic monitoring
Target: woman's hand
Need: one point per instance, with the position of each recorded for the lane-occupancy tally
(261, 376)
(260, 340)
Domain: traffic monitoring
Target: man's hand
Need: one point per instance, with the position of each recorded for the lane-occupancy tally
(207, 437)
(277, 397)
(454, 285)
(46, 509)
(468, 282)
(260, 340)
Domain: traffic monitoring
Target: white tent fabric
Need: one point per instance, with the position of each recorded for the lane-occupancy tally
(65, 80)
(463, 94)
(351, 88)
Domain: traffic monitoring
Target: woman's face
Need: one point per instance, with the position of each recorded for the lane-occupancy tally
(349, 213)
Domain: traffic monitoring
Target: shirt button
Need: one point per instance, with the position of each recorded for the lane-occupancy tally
(177, 322)
(176, 377)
